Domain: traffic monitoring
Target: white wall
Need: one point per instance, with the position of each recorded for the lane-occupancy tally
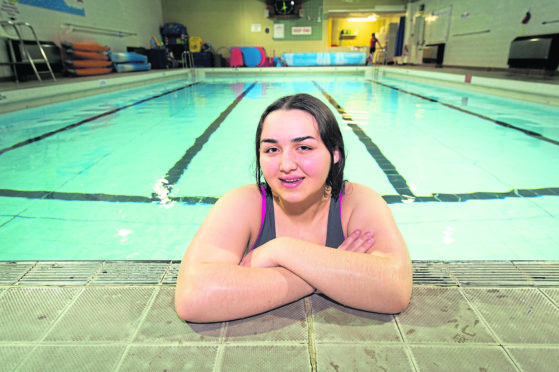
(501, 18)
(140, 17)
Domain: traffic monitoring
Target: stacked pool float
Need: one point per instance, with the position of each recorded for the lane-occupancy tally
(129, 61)
(86, 58)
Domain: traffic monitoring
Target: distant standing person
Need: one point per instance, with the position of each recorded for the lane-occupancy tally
(373, 48)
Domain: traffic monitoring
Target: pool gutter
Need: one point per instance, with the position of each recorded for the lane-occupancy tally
(37, 94)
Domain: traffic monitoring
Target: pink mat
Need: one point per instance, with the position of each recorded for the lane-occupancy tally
(236, 57)
(263, 60)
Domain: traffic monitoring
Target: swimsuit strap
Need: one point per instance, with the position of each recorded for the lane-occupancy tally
(334, 235)
(263, 217)
(340, 202)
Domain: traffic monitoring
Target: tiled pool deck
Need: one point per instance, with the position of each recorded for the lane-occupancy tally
(118, 316)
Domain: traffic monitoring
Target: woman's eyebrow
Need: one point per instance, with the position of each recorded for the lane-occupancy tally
(268, 140)
(294, 140)
(301, 139)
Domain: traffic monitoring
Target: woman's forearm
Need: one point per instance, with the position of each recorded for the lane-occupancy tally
(212, 292)
(365, 281)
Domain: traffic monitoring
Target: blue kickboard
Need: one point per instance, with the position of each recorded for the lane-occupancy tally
(119, 57)
(127, 67)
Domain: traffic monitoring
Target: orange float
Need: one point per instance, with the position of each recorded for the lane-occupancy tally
(89, 71)
(85, 46)
(86, 58)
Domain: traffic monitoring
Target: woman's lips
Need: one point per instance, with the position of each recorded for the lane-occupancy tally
(291, 182)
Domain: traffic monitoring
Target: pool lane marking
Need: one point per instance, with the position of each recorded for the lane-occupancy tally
(87, 120)
(196, 200)
(101, 197)
(175, 173)
(397, 181)
(528, 132)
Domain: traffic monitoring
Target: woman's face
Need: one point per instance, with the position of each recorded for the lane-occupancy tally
(294, 160)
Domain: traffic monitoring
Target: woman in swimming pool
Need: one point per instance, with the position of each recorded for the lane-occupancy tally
(264, 246)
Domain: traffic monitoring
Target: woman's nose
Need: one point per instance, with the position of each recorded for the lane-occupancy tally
(287, 162)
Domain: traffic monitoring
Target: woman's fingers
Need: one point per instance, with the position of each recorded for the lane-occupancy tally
(246, 261)
(358, 242)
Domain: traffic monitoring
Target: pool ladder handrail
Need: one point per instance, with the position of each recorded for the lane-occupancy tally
(23, 50)
(381, 55)
(187, 57)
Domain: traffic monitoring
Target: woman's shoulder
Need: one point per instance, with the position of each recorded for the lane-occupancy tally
(357, 192)
(247, 196)
(357, 196)
(365, 209)
(242, 206)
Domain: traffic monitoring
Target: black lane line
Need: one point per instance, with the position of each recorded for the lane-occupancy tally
(193, 200)
(397, 181)
(176, 172)
(100, 197)
(498, 122)
(87, 120)
(172, 176)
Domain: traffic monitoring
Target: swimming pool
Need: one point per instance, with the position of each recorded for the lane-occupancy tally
(130, 175)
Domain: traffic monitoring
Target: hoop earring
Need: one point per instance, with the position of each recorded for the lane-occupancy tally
(327, 191)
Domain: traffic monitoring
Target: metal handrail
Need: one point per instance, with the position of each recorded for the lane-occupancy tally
(187, 57)
(25, 52)
(97, 30)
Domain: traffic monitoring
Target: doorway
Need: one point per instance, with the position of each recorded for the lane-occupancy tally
(352, 30)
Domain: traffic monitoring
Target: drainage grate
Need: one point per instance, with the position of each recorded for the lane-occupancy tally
(488, 273)
(11, 271)
(172, 274)
(133, 273)
(543, 273)
(130, 273)
(432, 273)
(60, 273)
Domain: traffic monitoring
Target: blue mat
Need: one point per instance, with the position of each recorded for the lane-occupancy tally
(127, 57)
(324, 59)
(127, 67)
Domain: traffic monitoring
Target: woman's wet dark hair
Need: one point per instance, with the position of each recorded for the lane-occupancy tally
(328, 129)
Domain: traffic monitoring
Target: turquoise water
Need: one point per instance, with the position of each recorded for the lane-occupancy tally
(131, 175)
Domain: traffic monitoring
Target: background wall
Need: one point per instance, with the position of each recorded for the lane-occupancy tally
(140, 17)
(228, 23)
(468, 42)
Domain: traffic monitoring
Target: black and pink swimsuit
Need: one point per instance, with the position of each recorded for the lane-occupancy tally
(334, 232)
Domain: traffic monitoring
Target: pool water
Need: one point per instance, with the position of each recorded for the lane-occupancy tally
(131, 175)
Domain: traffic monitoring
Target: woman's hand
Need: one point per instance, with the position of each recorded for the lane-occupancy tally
(358, 242)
